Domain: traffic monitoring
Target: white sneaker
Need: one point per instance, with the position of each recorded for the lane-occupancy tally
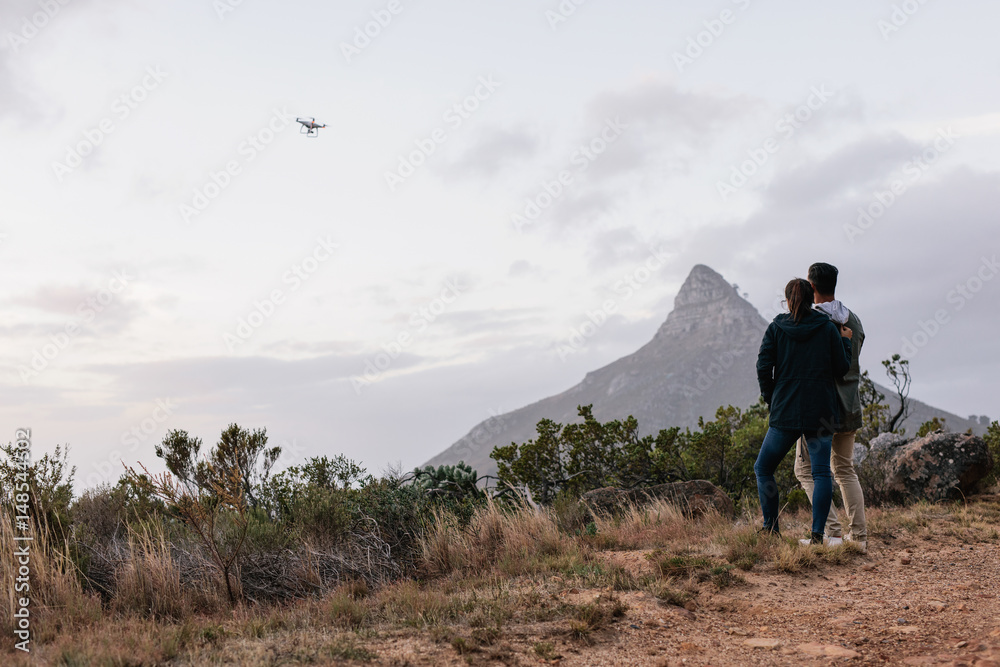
(861, 543)
(827, 541)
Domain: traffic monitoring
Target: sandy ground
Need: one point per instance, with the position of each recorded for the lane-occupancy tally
(909, 601)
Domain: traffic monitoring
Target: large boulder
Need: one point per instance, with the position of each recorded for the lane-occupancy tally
(695, 498)
(938, 466)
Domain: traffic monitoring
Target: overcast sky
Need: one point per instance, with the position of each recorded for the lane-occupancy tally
(175, 254)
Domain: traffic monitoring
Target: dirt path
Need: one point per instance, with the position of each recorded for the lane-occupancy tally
(922, 604)
(928, 600)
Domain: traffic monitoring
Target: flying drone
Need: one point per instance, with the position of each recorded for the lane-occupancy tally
(310, 127)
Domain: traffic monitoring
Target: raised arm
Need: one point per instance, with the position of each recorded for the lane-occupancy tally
(841, 350)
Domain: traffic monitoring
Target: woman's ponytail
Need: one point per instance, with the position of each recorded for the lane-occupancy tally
(799, 295)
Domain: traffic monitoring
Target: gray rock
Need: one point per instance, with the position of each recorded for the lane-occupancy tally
(885, 441)
(695, 498)
(938, 466)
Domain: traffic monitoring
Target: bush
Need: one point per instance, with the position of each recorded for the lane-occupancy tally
(572, 459)
(992, 438)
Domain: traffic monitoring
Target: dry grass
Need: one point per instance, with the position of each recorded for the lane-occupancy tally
(515, 542)
(653, 525)
(480, 587)
(149, 582)
(58, 601)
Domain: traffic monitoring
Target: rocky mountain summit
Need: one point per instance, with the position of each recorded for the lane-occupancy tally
(703, 356)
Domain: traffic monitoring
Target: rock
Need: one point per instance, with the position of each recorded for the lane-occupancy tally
(886, 441)
(939, 466)
(827, 650)
(905, 560)
(763, 642)
(694, 498)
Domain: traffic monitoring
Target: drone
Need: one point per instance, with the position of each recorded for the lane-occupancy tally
(310, 127)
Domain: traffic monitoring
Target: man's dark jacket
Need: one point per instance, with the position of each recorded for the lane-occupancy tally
(797, 368)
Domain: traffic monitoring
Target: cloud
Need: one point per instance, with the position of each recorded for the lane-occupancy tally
(495, 149)
(860, 166)
(663, 129)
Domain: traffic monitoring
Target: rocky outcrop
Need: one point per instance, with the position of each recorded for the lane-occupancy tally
(694, 498)
(938, 466)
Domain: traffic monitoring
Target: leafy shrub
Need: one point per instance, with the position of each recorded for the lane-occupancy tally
(992, 438)
(929, 427)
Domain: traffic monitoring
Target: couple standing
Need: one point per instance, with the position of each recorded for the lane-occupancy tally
(809, 377)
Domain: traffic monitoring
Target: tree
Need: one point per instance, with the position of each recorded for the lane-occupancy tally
(179, 452)
(874, 411)
(725, 449)
(241, 454)
(218, 516)
(898, 370)
(238, 449)
(50, 480)
(213, 497)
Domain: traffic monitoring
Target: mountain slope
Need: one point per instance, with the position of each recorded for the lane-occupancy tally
(703, 356)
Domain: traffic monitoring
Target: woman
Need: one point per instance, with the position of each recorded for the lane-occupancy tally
(801, 355)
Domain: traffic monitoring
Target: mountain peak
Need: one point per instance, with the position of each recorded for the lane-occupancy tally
(706, 300)
(703, 285)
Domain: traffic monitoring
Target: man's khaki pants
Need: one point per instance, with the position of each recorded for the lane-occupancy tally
(842, 463)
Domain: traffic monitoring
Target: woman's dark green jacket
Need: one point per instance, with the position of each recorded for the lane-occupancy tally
(797, 366)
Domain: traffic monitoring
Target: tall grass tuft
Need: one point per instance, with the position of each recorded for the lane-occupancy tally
(58, 600)
(517, 541)
(148, 582)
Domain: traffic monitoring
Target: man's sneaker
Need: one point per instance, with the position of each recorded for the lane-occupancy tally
(862, 544)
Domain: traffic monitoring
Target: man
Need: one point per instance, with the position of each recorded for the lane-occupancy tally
(823, 278)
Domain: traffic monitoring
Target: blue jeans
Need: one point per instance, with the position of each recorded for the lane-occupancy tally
(776, 444)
